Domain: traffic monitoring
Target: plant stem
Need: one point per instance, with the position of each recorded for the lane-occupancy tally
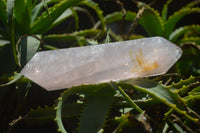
(126, 97)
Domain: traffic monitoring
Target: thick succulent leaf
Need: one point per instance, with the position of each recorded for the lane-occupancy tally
(76, 18)
(117, 16)
(114, 17)
(192, 101)
(151, 22)
(27, 47)
(190, 39)
(44, 21)
(22, 15)
(182, 82)
(159, 91)
(15, 78)
(35, 11)
(37, 120)
(78, 36)
(10, 5)
(3, 43)
(126, 97)
(192, 97)
(96, 109)
(99, 13)
(42, 115)
(108, 39)
(163, 93)
(87, 32)
(176, 17)
(97, 101)
(132, 123)
(81, 41)
(178, 33)
(49, 47)
(66, 37)
(37, 8)
(66, 14)
(193, 3)
(195, 90)
(3, 13)
(165, 10)
(186, 89)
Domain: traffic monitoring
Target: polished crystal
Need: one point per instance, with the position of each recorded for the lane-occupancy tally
(64, 68)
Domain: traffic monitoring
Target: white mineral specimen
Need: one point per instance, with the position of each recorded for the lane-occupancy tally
(63, 68)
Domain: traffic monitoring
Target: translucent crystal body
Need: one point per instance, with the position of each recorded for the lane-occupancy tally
(69, 67)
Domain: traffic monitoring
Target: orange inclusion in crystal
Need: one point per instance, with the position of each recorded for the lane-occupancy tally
(143, 66)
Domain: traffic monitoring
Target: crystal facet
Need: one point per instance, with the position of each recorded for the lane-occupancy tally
(63, 68)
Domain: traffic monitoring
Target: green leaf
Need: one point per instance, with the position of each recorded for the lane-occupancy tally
(96, 109)
(10, 5)
(126, 97)
(44, 22)
(151, 22)
(37, 8)
(17, 76)
(98, 99)
(182, 82)
(78, 36)
(192, 98)
(27, 47)
(190, 40)
(22, 15)
(49, 47)
(157, 90)
(92, 42)
(42, 115)
(76, 18)
(66, 14)
(3, 13)
(165, 10)
(108, 39)
(195, 90)
(132, 123)
(46, 7)
(193, 3)
(178, 33)
(99, 13)
(117, 16)
(176, 17)
(66, 37)
(163, 93)
(87, 33)
(3, 43)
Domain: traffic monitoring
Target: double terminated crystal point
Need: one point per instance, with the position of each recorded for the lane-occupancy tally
(63, 68)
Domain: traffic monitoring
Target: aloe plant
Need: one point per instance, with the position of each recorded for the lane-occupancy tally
(156, 24)
(163, 103)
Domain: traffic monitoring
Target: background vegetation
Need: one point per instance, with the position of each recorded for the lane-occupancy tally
(166, 103)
